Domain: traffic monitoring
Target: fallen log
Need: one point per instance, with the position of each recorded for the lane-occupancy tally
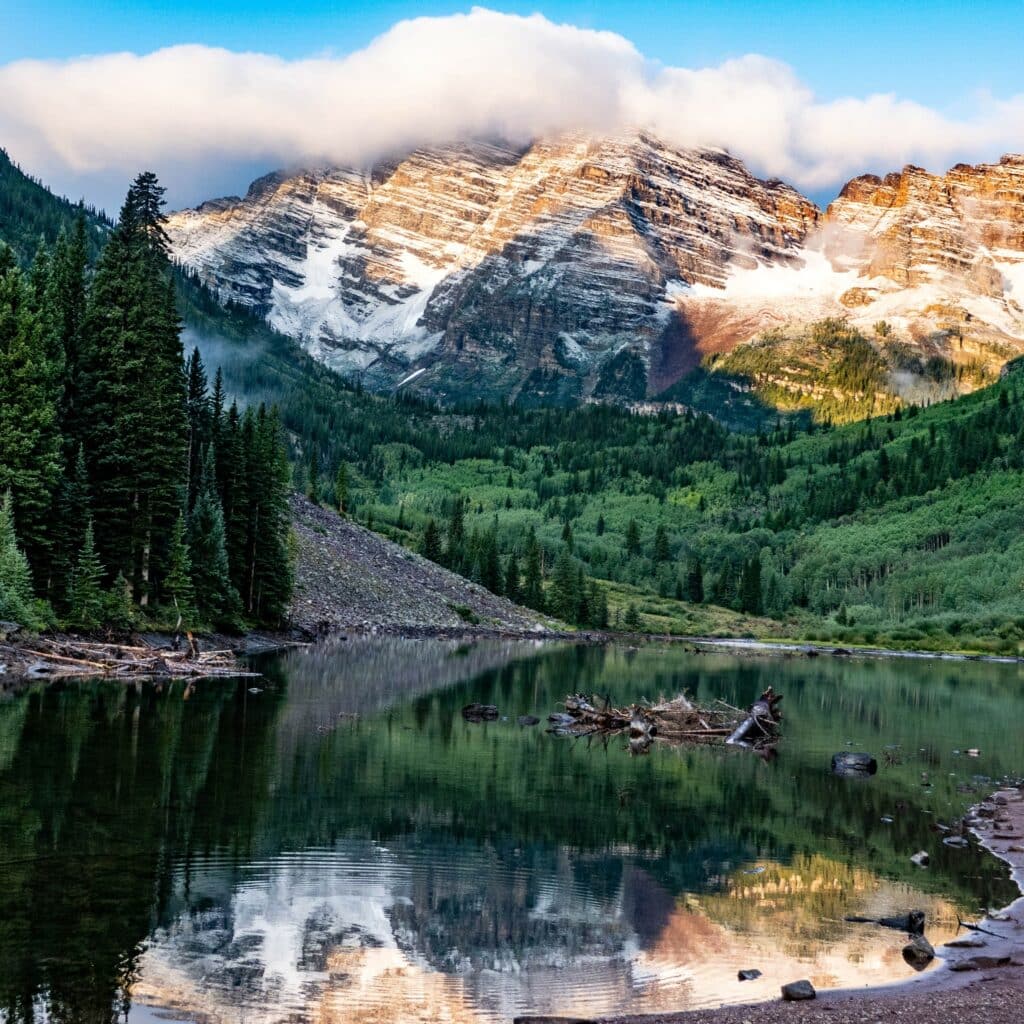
(676, 721)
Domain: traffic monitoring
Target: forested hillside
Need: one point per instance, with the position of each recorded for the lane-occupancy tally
(903, 530)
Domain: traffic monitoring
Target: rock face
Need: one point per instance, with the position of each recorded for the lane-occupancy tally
(608, 267)
(550, 269)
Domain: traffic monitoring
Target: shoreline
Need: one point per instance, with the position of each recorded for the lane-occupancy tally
(17, 657)
(980, 973)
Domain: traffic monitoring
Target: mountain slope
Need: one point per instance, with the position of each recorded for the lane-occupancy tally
(548, 270)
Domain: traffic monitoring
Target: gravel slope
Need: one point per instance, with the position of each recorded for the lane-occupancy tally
(348, 577)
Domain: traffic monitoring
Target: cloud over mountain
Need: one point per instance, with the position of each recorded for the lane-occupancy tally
(199, 115)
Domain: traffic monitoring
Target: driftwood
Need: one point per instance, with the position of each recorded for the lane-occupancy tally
(676, 722)
(67, 657)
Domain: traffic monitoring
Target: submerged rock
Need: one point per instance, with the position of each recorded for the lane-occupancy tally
(527, 720)
(855, 765)
(796, 991)
(480, 713)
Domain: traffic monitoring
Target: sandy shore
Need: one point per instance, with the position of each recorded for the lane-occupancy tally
(980, 979)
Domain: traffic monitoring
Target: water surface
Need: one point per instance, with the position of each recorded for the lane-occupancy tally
(341, 846)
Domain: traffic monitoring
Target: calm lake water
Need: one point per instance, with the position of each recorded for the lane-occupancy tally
(341, 846)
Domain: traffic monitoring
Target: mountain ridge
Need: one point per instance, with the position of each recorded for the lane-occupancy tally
(607, 268)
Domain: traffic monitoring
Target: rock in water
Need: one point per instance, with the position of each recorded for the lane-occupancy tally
(752, 975)
(480, 713)
(854, 765)
(918, 952)
(796, 991)
(920, 858)
(527, 720)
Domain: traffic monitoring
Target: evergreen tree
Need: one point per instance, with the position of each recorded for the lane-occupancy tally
(341, 488)
(118, 609)
(600, 525)
(750, 586)
(313, 483)
(30, 442)
(431, 546)
(564, 596)
(70, 519)
(454, 553)
(16, 602)
(86, 604)
(533, 577)
(200, 421)
(631, 620)
(512, 580)
(70, 267)
(567, 536)
(178, 591)
(490, 564)
(632, 539)
(695, 581)
(216, 598)
(135, 428)
(661, 548)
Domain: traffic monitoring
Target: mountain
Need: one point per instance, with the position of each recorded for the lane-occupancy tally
(611, 267)
(547, 271)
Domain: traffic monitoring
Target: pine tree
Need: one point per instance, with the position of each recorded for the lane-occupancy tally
(564, 596)
(86, 605)
(695, 581)
(30, 441)
(632, 620)
(661, 548)
(490, 564)
(15, 576)
(200, 421)
(431, 546)
(341, 488)
(533, 577)
(69, 296)
(313, 483)
(134, 421)
(178, 591)
(632, 539)
(71, 515)
(118, 609)
(216, 598)
(454, 551)
(750, 586)
(567, 537)
(512, 580)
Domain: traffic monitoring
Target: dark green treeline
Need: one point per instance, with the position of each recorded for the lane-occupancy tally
(130, 491)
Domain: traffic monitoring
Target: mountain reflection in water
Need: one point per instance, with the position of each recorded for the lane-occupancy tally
(342, 846)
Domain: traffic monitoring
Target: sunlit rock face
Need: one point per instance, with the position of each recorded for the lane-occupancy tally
(607, 268)
(550, 269)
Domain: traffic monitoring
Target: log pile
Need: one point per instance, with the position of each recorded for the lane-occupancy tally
(676, 722)
(50, 658)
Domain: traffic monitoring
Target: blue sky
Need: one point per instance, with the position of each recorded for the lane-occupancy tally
(836, 89)
(935, 52)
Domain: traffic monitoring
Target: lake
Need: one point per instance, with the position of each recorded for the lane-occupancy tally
(334, 843)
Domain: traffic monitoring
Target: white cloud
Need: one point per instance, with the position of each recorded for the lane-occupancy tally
(200, 116)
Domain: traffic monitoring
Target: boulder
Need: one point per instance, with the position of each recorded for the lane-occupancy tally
(751, 975)
(796, 991)
(920, 858)
(854, 765)
(979, 963)
(918, 952)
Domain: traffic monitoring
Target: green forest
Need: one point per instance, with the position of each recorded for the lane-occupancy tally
(132, 493)
(902, 528)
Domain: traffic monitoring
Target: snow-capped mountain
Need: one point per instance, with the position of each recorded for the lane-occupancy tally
(552, 267)
(606, 267)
